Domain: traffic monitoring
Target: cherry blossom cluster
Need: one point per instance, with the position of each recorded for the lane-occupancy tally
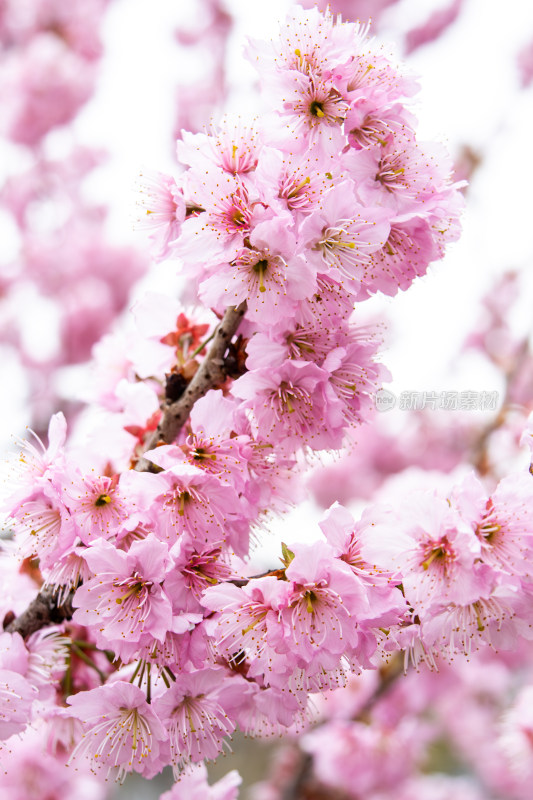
(140, 536)
(464, 562)
(321, 203)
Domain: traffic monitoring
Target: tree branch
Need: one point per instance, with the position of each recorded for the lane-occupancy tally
(44, 611)
(210, 374)
(41, 612)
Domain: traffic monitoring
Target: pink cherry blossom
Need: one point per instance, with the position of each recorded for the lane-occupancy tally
(35, 461)
(370, 121)
(295, 181)
(225, 219)
(270, 284)
(342, 236)
(212, 444)
(197, 505)
(409, 249)
(192, 713)
(121, 731)
(96, 505)
(232, 146)
(193, 572)
(250, 625)
(44, 526)
(124, 601)
(67, 572)
(47, 660)
(164, 210)
(323, 604)
(501, 522)
(308, 41)
(17, 692)
(294, 402)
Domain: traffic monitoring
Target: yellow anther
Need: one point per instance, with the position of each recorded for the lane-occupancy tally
(133, 590)
(438, 553)
(299, 186)
(260, 268)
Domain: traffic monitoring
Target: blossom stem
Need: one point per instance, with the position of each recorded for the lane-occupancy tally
(148, 682)
(136, 670)
(87, 660)
(202, 345)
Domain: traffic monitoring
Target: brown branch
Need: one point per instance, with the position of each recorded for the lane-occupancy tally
(211, 373)
(41, 612)
(296, 786)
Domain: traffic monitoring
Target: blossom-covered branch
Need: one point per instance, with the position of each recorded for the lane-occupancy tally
(50, 609)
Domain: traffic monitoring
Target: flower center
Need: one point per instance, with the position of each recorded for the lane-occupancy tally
(436, 554)
(317, 109)
(260, 268)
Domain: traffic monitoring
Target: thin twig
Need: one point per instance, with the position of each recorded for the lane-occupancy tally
(86, 660)
(480, 449)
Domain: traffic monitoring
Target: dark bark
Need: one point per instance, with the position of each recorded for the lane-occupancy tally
(41, 612)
